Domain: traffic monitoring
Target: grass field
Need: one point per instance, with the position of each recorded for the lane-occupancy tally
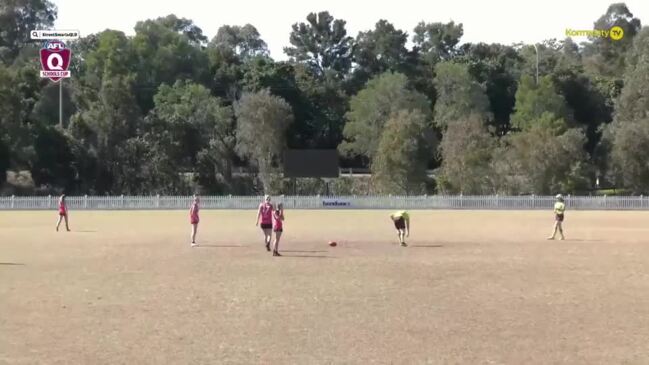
(473, 288)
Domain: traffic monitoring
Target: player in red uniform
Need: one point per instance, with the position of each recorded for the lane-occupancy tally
(265, 217)
(63, 213)
(193, 219)
(278, 227)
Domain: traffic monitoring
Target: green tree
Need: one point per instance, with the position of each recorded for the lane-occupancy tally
(168, 49)
(262, 121)
(628, 155)
(46, 108)
(196, 130)
(544, 160)
(326, 103)
(101, 129)
(244, 41)
(459, 95)
(110, 54)
(591, 108)
(466, 151)
(605, 56)
(377, 51)
(550, 55)
(322, 43)
(81, 48)
(633, 103)
(5, 161)
(497, 67)
(437, 41)
(19, 89)
(226, 71)
(372, 107)
(146, 169)
(533, 100)
(280, 78)
(399, 166)
(51, 166)
(433, 42)
(626, 138)
(17, 19)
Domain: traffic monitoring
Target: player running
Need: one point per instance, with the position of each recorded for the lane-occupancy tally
(559, 209)
(63, 213)
(265, 217)
(193, 219)
(401, 221)
(278, 227)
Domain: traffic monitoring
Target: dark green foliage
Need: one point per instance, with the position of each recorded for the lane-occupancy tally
(165, 111)
(17, 18)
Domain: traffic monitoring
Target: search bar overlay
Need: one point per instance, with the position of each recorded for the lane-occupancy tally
(54, 34)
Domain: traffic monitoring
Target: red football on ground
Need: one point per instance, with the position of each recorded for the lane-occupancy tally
(332, 243)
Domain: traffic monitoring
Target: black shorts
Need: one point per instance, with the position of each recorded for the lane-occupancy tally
(266, 226)
(558, 217)
(278, 230)
(400, 223)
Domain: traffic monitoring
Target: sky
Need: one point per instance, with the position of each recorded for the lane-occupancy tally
(495, 21)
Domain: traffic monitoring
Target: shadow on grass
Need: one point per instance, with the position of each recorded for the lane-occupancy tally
(578, 240)
(306, 256)
(304, 251)
(426, 246)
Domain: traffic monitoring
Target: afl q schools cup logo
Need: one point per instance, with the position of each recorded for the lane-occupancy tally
(55, 60)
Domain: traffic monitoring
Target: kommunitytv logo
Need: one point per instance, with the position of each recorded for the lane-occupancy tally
(55, 60)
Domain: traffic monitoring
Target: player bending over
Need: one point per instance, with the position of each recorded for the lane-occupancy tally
(193, 219)
(401, 221)
(559, 209)
(63, 213)
(265, 216)
(278, 227)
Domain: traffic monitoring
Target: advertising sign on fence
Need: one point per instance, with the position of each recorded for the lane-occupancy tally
(336, 203)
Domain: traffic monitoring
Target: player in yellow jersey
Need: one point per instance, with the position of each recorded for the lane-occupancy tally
(559, 209)
(401, 221)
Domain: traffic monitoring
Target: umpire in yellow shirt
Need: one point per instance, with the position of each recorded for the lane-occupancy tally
(559, 209)
(401, 221)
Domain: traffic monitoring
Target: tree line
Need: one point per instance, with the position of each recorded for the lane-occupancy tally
(170, 111)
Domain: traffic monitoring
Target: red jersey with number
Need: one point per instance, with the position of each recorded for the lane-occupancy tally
(266, 213)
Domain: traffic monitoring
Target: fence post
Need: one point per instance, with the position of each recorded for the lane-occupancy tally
(85, 201)
(13, 198)
(122, 201)
(533, 201)
(157, 201)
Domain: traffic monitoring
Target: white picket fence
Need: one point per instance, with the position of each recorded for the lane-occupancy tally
(329, 202)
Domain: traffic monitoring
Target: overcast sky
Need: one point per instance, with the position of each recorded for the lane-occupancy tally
(495, 21)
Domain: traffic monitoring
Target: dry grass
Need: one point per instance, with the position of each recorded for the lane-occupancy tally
(473, 288)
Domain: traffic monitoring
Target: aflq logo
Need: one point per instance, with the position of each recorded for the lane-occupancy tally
(55, 60)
